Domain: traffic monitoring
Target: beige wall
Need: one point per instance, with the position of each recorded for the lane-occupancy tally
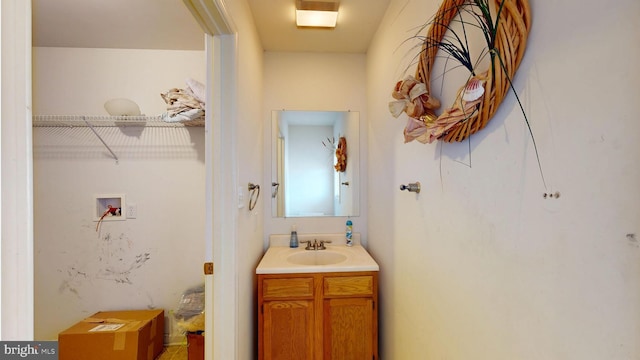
(315, 81)
(479, 265)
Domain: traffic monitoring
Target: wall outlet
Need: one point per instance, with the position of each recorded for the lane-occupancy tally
(132, 211)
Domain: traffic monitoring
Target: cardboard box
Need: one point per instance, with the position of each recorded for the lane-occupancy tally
(114, 335)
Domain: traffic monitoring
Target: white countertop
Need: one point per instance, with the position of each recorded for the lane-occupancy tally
(275, 260)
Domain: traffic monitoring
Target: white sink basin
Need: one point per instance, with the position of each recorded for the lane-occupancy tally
(316, 257)
(281, 259)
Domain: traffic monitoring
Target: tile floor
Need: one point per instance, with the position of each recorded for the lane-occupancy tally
(175, 352)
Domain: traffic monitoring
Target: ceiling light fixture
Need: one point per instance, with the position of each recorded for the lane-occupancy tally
(316, 13)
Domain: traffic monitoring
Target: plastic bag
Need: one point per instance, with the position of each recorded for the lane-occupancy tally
(190, 311)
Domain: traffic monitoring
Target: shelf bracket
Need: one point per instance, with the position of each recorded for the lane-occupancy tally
(100, 137)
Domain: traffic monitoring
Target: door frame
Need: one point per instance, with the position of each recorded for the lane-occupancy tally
(221, 335)
(16, 170)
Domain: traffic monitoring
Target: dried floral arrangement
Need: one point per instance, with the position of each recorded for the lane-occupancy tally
(479, 98)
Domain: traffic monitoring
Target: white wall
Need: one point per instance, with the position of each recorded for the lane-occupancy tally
(145, 262)
(480, 265)
(87, 78)
(315, 81)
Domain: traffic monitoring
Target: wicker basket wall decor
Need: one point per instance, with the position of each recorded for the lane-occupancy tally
(341, 155)
(476, 101)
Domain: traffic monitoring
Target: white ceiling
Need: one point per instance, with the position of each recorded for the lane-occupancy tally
(168, 24)
(357, 23)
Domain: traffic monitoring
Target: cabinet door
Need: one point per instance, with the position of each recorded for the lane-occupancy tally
(349, 329)
(288, 330)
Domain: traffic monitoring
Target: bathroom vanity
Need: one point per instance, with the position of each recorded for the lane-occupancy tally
(317, 304)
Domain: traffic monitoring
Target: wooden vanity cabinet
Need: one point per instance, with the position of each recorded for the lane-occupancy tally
(286, 317)
(319, 316)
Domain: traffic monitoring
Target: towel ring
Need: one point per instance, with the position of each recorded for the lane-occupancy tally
(254, 189)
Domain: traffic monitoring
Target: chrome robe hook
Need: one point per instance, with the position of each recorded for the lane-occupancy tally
(412, 187)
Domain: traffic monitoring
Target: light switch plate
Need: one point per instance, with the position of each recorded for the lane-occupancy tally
(240, 197)
(132, 211)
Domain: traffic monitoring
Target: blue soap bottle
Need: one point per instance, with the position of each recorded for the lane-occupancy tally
(293, 242)
(349, 233)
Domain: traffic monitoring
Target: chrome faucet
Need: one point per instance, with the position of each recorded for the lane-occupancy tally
(315, 245)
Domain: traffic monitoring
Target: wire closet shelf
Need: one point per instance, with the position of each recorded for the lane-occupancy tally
(109, 121)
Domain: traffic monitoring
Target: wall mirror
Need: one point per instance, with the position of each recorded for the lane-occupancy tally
(305, 181)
